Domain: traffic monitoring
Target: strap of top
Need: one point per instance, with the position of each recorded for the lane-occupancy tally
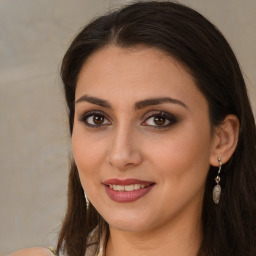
(53, 251)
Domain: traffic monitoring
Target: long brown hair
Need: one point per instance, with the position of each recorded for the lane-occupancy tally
(230, 227)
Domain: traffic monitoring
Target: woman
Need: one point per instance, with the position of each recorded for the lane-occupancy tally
(163, 138)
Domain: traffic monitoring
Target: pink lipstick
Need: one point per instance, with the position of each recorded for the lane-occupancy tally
(127, 190)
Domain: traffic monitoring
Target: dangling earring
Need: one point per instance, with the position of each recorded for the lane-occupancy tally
(87, 201)
(217, 188)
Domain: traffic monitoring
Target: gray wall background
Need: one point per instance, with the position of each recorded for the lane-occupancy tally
(34, 35)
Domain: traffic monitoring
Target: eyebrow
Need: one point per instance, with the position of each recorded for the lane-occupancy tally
(138, 105)
(94, 100)
(157, 101)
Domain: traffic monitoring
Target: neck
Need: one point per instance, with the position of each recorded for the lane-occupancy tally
(181, 238)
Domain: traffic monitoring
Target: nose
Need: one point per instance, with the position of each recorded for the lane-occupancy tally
(124, 150)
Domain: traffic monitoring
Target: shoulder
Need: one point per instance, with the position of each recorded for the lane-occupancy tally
(36, 251)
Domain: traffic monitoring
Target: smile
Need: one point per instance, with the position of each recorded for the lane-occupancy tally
(127, 187)
(128, 190)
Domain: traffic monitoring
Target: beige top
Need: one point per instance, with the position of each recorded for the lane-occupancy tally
(88, 253)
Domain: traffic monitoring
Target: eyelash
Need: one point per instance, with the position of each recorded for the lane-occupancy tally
(168, 117)
(89, 114)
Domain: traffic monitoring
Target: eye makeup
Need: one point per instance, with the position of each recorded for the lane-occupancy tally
(159, 119)
(94, 119)
(154, 119)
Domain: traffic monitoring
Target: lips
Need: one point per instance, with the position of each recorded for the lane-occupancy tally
(128, 190)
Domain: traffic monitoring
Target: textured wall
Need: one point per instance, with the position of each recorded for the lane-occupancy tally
(34, 136)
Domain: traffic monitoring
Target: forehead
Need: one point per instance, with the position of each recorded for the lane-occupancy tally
(135, 73)
(127, 61)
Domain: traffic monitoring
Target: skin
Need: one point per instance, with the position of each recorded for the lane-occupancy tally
(32, 252)
(129, 142)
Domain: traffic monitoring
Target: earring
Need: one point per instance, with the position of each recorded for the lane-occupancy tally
(217, 188)
(87, 201)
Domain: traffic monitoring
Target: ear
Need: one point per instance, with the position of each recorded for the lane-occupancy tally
(225, 140)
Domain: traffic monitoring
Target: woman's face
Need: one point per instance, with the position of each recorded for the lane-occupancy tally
(141, 138)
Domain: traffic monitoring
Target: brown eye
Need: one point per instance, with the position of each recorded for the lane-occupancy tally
(95, 120)
(159, 120)
(98, 119)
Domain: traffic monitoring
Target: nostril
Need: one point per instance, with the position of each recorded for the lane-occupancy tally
(123, 160)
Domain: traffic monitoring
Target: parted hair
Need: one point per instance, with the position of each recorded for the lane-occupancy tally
(229, 228)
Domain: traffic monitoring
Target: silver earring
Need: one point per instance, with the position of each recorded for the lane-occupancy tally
(217, 188)
(87, 201)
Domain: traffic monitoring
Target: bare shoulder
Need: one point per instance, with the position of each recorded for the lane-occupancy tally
(36, 251)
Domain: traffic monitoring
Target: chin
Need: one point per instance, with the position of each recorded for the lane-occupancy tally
(129, 222)
(129, 227)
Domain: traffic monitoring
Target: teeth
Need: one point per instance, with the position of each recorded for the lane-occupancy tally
(127, 187)
(136, 186)
(120, 188)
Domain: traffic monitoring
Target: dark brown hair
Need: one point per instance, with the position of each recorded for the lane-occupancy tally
(230, 227)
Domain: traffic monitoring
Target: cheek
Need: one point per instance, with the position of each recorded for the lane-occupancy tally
(88, 155)
(182, 157)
